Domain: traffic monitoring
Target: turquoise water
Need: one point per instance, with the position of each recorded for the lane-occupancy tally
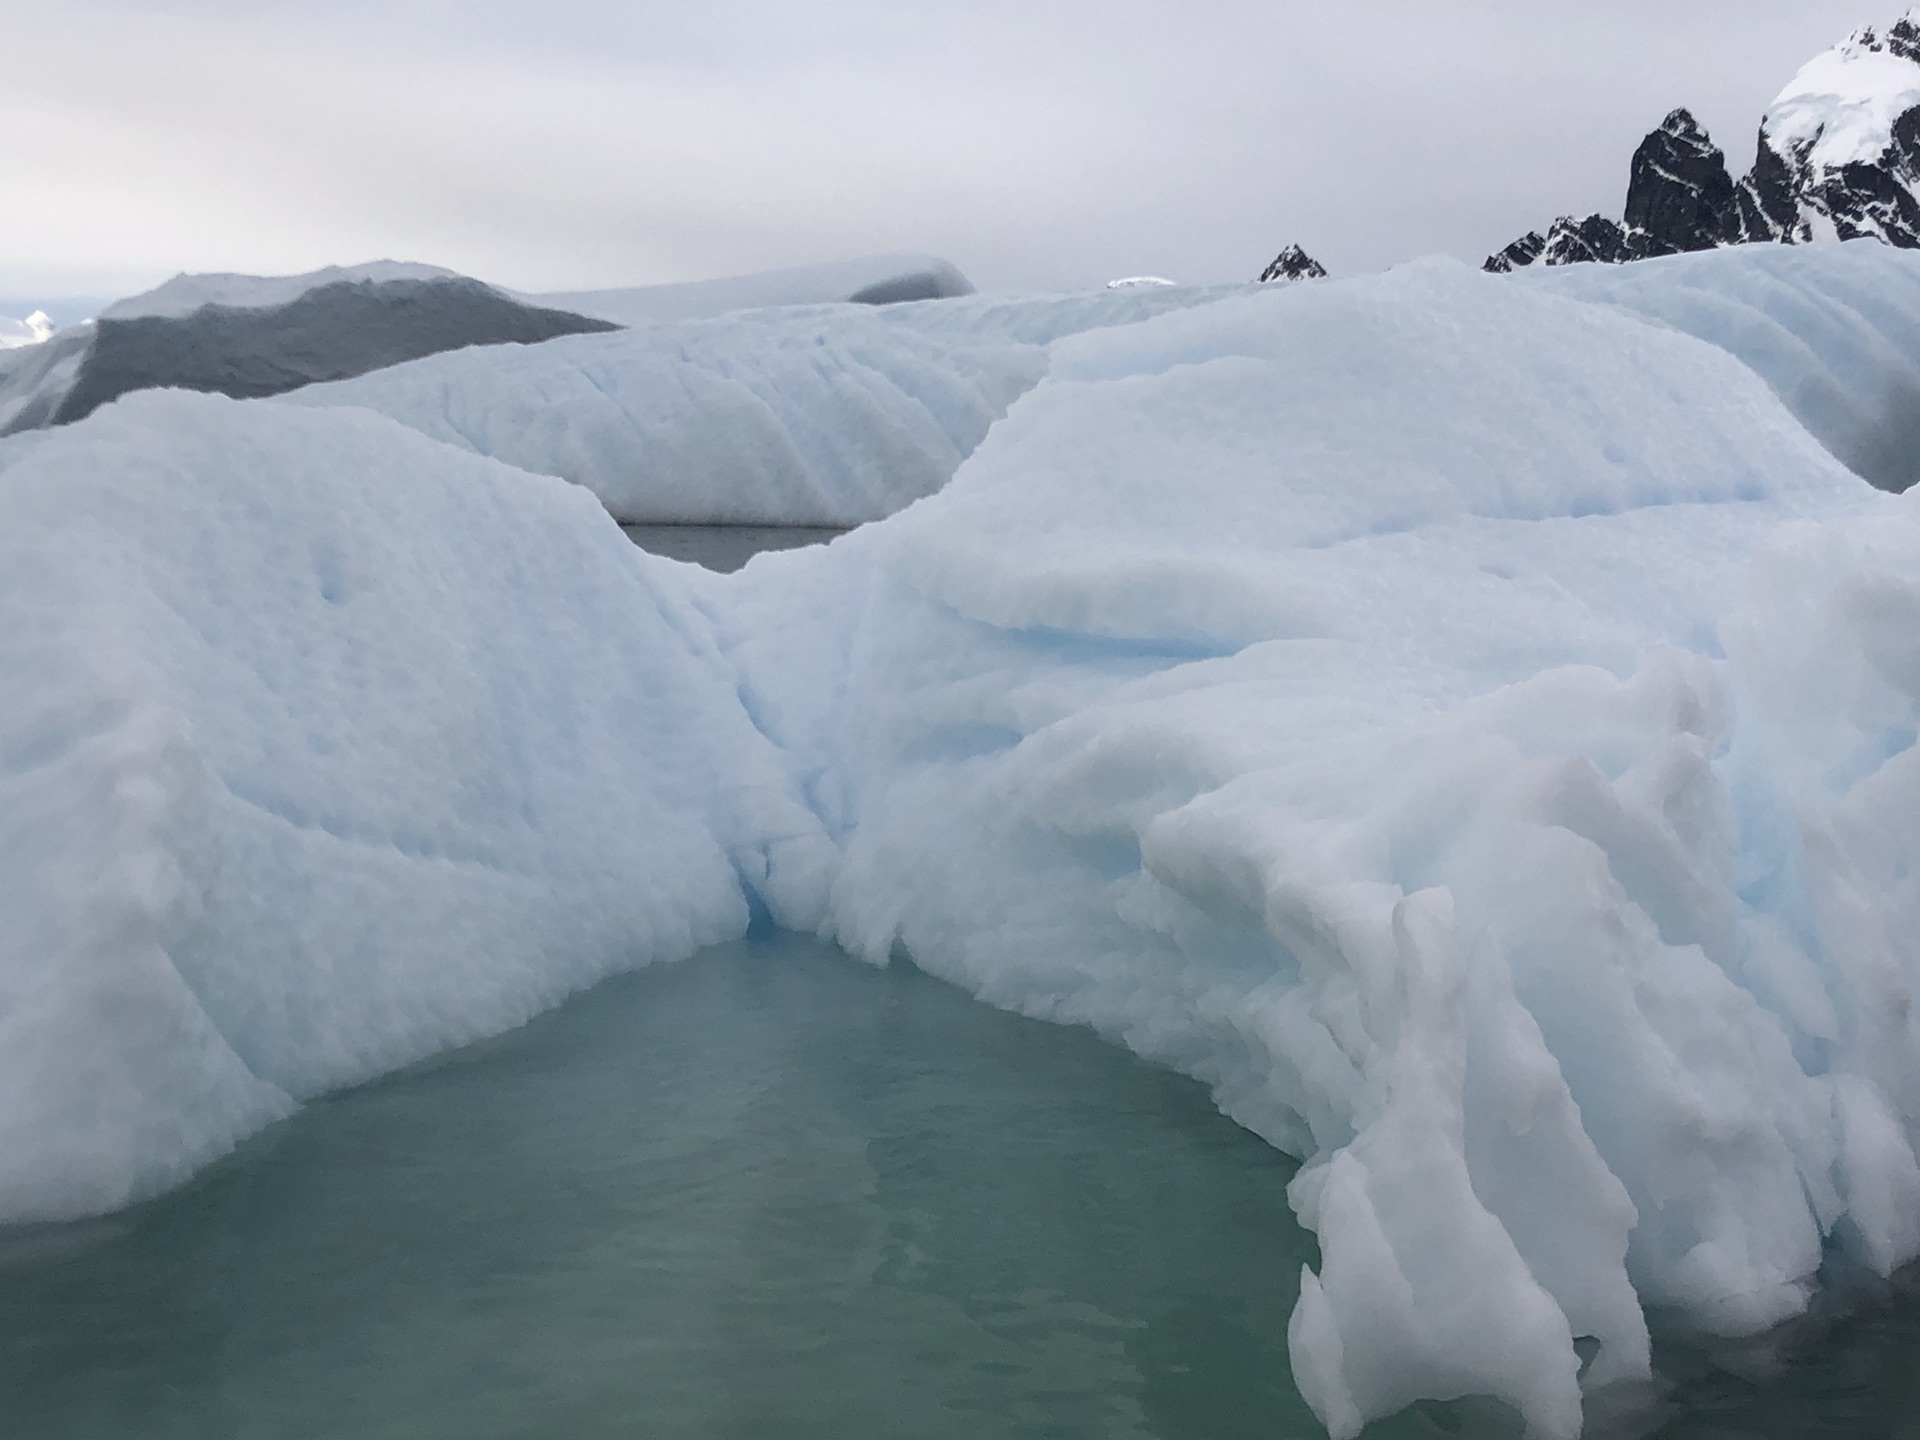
(768, 1193)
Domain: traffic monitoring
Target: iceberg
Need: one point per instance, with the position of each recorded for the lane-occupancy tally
(1325, 693)
(829, 415)
(326, 748)
(840, 415)
(1470, 725)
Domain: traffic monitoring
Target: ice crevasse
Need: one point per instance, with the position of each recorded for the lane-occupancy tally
(1469, 727)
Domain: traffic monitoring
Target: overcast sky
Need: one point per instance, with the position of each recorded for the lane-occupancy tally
(1035, 143)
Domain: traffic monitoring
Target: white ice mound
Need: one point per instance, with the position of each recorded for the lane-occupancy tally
(832, 415)
(1835, 330)
(1323, 692)
(324, 748)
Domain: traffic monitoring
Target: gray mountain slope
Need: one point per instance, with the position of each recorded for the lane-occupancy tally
(331, 332)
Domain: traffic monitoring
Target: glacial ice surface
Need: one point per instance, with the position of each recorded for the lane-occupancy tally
(1834, 329)
(826, 415)
(1461, 725)
(327, 747)
(1469, 727)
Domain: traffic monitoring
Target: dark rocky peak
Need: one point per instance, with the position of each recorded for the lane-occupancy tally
(1679, 194)
(1902, 38)
(1596, 238)
(1517, 256)
(1568, 241)
(1765, 205)
(1679, 197)
(1292, 264)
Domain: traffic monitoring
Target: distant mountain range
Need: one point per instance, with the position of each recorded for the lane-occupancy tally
(1838, 159)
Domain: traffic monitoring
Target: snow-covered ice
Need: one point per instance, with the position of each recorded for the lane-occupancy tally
(1323, 693)
(327, 747)
(828, 421)
(1469, 727)
(825, 415)
(1834, 330)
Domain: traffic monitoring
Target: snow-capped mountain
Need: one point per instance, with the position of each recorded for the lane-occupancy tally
(1838, 159)
(30, 331)
(1292, 264)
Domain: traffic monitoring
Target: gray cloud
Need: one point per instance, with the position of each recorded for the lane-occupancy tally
(589, 142)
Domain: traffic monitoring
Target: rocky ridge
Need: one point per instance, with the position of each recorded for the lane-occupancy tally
(1292, 264)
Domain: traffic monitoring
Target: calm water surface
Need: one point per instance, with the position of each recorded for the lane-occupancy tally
(768, 1193)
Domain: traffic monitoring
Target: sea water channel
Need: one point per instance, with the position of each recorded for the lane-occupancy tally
(769, 1192)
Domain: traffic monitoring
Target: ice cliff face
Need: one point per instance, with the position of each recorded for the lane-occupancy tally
(1838, 158)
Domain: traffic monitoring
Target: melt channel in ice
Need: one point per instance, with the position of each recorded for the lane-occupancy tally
(1471, 728)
